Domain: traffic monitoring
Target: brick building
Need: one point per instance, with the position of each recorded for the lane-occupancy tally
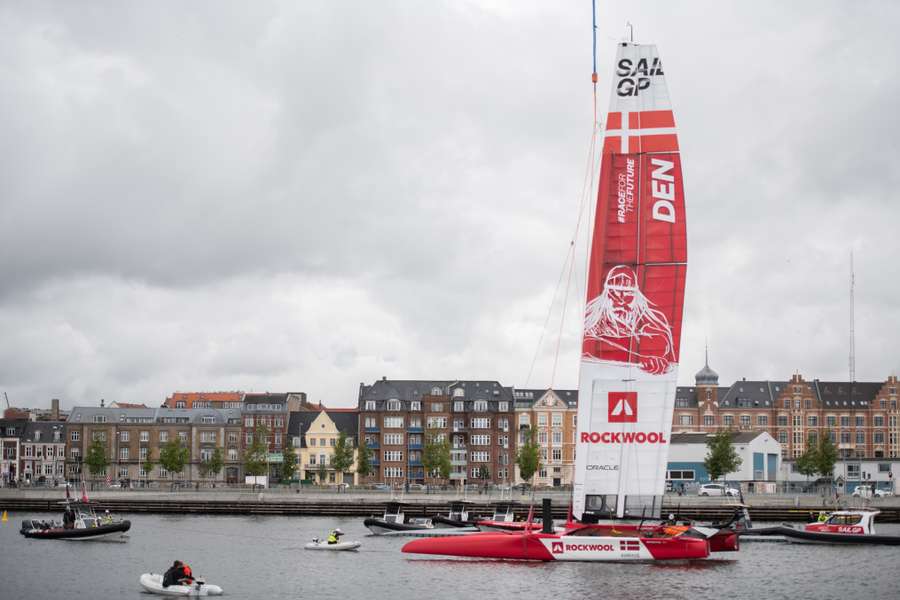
(204, 400)
(43, 453)
(860, 417)
(476, 417)
(552, 415)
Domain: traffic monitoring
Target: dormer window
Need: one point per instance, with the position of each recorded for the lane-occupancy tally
(370, 405)
(415, 405)
(459, 392)
(394, 405)
(435, 391)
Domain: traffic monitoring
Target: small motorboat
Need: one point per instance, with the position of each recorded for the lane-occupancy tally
(80, 522)
(457, 517)
(318, 544)
(504, 519)
(152, 582)
(394, 520)
(841, 527)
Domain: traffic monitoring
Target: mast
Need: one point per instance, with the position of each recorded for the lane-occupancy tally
(635, 294)
(852, 323)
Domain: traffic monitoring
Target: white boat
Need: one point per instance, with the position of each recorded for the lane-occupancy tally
(152, 582)
(318, 544)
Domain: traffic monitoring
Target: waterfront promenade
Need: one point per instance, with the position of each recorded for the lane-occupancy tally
(318, 502)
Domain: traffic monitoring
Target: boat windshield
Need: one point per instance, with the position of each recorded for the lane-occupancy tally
(844, 519)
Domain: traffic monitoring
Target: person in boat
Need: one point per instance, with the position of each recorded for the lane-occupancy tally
(823, 516)
(178, 574)
(334, 536)
(68, 518)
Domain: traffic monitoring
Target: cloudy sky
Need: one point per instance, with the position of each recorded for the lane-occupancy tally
(303, 196)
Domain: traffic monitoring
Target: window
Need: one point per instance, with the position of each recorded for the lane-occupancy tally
(415, 405)
(312, 459)
(459, 406)
(685, 475)
(99, 436)
(393, 439)
(831, 421)
(371, 423)
(728, 420)
(878, 437)
(542, 437)
(481, 405)
(123, 472)
(884, 467)
(123, 453)
(556, 420)
(709, 420)
(524, 419)
(878, 420)
(437, 422)
(503, 406)
(143, 453)
(762, 420)
(393, 455)
(393, 472)
(182, 437)
(797, 421)
(686, 420)
(459, 392)
(845, 420)
(370, 405)
(481, 456)
(481, 440)
(557, 438)
(860, 421)
(476, 472)
(99, 419)
(782, 437)
(232, 454)
(812, 421)
(781, 420)
(312, 441)
(542, 419)
(279, 422)
(860, 438)
(812, 438)
(394, 405)
(331, 442)
(437, 407)
(208, 437)
(798, 438)
(233, 437)
(75, 436)
(503, 441)
(556, 454)
(480, 423)
(503, 423)
(393, 422)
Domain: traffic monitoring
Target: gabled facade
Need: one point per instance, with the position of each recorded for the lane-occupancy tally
(553, 417)
(315, 436)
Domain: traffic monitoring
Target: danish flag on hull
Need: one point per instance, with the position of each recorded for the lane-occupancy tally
(635, 295)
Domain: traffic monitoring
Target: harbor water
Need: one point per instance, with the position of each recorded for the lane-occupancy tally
(263, 557)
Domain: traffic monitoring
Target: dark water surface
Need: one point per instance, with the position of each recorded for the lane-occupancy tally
(263, 557)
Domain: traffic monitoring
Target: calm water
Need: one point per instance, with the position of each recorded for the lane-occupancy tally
(263, 557)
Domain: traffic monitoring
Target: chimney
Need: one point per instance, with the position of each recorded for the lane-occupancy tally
(384, 378)
(102, 402)
(54, 409)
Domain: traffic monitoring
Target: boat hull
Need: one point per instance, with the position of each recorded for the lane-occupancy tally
(86, 534)
(152, 582)
(552, 547)
(819, 537)
(338, 547)
(381, 527)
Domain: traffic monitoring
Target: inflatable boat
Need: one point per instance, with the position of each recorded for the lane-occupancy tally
(152, 582)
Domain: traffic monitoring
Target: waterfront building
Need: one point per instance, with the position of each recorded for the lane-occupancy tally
(11, 432)
(553, 417)
(43, 452)
(759, 452)
(314, 437)
(132, 435)
(880, 473)
(269, 411)
(396, 416)
(204, 400)
(861, 418)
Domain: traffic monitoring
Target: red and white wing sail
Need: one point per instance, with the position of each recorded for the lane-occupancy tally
(635, 295)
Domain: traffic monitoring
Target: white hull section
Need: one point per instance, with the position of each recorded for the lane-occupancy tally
(597, 549)
(434, 532)
(332, 547)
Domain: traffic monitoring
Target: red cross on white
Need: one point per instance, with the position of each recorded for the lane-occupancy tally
(641, 131)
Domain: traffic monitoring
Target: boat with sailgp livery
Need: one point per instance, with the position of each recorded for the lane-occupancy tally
(630, 348)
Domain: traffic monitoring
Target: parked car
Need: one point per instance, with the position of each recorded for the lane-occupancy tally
(381, 487)
(865, 491)
(716, 489)
(416, 487)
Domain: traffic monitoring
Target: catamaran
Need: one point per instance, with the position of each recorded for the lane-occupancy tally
(630, 346)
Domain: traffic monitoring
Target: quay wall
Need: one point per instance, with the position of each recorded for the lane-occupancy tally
(363, 504)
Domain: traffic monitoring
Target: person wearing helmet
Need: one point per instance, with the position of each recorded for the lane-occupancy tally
(334, 536)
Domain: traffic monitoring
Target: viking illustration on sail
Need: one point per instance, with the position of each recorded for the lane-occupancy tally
(622, 317)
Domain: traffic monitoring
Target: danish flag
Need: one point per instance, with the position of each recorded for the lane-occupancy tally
(644, 131)
(622, 407)
(629, 546)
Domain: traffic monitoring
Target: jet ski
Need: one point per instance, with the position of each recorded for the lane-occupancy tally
(318, 544)
(152, 582)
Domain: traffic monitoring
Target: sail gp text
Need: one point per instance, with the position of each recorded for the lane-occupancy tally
(623, 437)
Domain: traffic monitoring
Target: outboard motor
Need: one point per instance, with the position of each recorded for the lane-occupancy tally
(547, 516)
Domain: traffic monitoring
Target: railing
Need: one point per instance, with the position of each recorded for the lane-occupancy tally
(415, 446)
(415, 462)
(413, 429)
(372, 429)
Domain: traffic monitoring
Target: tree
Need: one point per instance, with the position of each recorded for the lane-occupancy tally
(323, 472)
(826, 456)
(721, 457)
(364, 460)
(484, 472)
(807, 463)
(436, 454)
(342, 459)
(148, 465)
(213, 465)
(288, 462)
(529, 457)
(95, 459)
(256, 455)
(173, 456)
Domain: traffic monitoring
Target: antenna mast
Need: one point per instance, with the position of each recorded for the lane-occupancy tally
(852, 323)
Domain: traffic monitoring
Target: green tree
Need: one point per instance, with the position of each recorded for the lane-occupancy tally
(484, 472)
(721, 458)
(95, 459)
(807, 463)
(323, 472)
(173, 456)
(213, 465)
(528, 457)
(436, 454)
(148, 465)
(256, 454)
(342, 459)
(826, 456)
(364, 460)
(288, 462)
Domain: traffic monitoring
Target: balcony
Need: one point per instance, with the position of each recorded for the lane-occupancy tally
(417, 446)
(373, 445)
(460, 429)
(412, 429)
(374, 462)
(457, 475)
(415, 462)
(374, 429)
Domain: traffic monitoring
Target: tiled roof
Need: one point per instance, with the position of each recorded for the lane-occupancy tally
(86, 414)
(414, 389)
